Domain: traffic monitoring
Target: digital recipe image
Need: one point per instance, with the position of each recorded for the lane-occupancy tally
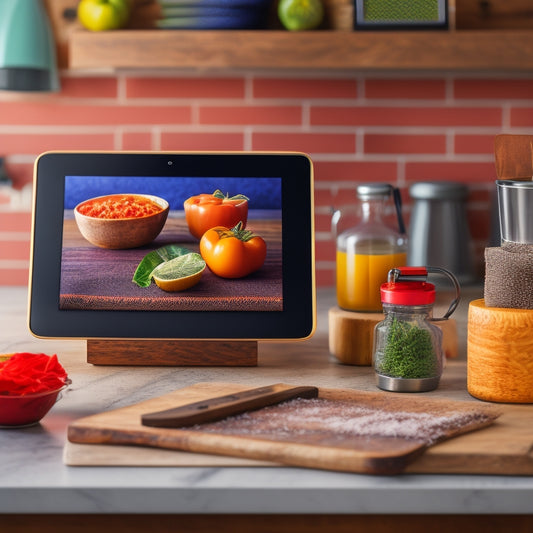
(171, 244)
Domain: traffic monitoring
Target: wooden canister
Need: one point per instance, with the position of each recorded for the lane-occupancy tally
(351, 336)
(500, 353)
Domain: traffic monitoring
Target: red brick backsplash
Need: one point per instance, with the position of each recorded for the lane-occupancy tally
(304, 88)
(405, 116)
(193, 141)
(412, 89)
(55, 113)
(15, 222)
(468, 172)
(521, 117)
(505, 88)
(398, 143)
(93, 88)
(355, 127)
(317, 143)
(250, 115)
(474, 144)
(13, 144)
(137, 141)
(185, 88)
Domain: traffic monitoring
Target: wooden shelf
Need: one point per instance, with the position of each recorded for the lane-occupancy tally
(462, 50)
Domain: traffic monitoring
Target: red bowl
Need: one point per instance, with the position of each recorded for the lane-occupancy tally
(27, 409)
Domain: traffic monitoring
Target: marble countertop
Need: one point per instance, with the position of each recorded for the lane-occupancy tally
(34, 479)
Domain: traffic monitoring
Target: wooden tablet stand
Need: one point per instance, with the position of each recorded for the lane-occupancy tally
(147, 352)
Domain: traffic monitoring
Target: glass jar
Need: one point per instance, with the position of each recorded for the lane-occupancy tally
(407, 352)
(366, 252)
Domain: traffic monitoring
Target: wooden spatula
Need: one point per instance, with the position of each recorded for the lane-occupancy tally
(513, 157)
(223, 406)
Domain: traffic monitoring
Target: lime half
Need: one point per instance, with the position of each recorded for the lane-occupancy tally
(179, 273)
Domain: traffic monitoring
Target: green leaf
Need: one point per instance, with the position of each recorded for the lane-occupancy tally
(143, 273)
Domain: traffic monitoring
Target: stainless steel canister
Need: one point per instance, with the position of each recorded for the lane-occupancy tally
(515, 206)
(438, 231)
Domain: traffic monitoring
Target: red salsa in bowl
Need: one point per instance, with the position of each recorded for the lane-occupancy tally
(120, 206)
(120, 221)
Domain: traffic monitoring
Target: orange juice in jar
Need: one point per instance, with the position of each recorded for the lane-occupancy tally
(366, 252)
(359, 277)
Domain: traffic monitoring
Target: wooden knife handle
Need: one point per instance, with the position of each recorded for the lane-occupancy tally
(223, 406)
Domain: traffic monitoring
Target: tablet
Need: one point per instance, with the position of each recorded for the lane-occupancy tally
(100, 257)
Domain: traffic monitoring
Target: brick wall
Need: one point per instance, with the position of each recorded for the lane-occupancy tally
(355, 127)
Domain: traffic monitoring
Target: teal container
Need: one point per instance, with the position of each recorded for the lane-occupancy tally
(27, 47)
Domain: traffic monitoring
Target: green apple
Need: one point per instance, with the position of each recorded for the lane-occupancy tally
(102, 15)
(298, 15)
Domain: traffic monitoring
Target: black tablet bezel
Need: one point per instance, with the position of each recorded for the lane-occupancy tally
(297, 320)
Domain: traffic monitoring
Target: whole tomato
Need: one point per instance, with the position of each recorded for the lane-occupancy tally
(205, 211)
(232, 253)
(102, 15)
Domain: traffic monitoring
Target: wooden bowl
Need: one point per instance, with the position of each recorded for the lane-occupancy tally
(124, 232)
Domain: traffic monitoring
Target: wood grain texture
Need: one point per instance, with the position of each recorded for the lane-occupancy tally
(373, 51)
(513, 155)
(460, 50)
(265, 523)
(500, 353)
(493, 14)
(224, 406)
(62, 16)
(394, 455)
(143, 352)
(351, 336)
(110, 285)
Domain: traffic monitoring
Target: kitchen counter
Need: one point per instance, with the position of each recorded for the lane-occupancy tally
(35, 483)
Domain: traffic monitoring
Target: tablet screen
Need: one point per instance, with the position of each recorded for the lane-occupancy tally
(172, 245)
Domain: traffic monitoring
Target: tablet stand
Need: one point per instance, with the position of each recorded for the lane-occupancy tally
(148, 352)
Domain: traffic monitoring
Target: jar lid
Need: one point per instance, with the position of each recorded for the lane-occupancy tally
(408, 293)
(373, 190)
(438, 190)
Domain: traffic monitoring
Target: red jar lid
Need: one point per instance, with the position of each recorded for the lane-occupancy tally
(408, 293)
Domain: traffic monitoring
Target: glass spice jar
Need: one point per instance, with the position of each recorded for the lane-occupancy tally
(367, 251)
(407, 354)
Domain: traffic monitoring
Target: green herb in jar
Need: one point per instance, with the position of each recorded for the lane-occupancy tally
(408, 353)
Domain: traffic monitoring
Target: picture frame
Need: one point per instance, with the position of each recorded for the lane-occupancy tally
(401, 15)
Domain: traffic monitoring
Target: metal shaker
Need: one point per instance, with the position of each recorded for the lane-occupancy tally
(438, 229)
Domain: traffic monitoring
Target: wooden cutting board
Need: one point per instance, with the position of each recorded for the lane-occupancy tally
(502, 447)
